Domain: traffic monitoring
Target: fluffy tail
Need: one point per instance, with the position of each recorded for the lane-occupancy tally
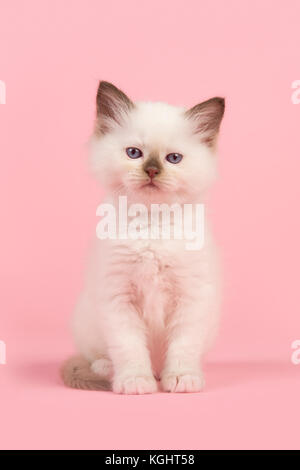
(76, 373)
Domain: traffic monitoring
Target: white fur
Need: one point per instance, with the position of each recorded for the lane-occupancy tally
(150, 307)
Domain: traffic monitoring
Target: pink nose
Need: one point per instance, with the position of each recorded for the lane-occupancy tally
(152, 171)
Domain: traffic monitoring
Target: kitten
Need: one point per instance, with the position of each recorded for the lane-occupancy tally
(150, 307)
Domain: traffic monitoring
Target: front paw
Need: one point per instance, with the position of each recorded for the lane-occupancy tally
(135, 385)
(182, 382)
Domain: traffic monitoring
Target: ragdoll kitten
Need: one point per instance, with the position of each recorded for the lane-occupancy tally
(149, 308)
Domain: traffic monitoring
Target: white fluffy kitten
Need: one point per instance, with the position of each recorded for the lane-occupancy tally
(149, 307)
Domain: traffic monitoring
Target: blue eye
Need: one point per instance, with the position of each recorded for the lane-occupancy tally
(134, 152)
(174, 157)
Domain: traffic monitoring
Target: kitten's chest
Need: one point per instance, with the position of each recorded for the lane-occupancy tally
(154, 278)
(151, 265)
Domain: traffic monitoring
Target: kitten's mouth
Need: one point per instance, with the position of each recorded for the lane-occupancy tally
(150, 185)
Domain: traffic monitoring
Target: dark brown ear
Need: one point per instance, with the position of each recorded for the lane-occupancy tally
(112, 105)
(207, 117)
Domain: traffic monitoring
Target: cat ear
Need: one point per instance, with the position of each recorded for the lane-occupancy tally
(207, 117)
(112, 106)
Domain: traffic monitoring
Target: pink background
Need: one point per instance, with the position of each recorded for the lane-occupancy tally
(52, 54)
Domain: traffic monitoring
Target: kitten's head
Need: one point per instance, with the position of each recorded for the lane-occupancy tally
(154, 151)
